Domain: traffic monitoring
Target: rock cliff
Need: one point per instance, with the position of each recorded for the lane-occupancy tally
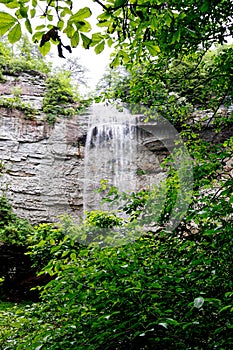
(43, 164)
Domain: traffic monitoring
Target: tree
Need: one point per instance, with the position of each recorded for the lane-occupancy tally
(75, 69)
(28, 50)
(191, 82)
(108, 84)
(152, 28)
(23, 56)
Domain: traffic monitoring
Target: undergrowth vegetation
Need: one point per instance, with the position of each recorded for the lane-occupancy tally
(163, 290)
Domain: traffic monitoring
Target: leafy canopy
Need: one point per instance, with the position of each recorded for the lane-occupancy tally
(150, 28)
(177, 88)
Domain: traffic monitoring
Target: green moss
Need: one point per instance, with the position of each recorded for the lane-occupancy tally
(18, 104)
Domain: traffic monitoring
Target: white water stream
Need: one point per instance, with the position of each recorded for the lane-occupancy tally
(110, 154)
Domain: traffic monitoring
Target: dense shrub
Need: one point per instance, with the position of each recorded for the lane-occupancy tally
(12, 229)
(60, 99)
(164, 290)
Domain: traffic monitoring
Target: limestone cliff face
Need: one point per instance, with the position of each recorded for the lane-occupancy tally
(43, 164)
(43, 173)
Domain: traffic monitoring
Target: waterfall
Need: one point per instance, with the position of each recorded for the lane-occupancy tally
(110, 154)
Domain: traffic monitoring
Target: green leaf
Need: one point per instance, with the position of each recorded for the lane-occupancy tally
(205, 6)
(124, 56)
(73, 256)
(115, 62)
(49, 17)
(104, 23)
(6, 22)
(66, 11)
(28, 25)
(34, 3)
(154, 23)
(69, 30)
(99, 48)
(83, 26)
(86, 41)
(96, 38)
(168, 20)
(37, 36)
(45, 48)
(225, 308)
(32, 13)
(52, 241)
(60, 24)
(163, 324)
(40, 27)
(23, 11)
(15, 34)
(75, 39)
(11, 4)
(119, 3)
(152, 48)
(176, 37)
(81, 14)
(39, 347)
(110, 42)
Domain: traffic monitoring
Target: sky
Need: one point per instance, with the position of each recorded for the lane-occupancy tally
(96, 64)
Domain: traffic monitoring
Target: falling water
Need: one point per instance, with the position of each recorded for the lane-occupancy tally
(110, 154)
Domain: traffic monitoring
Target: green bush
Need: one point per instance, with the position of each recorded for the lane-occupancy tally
(12, 229)
(165, 291)
(162, 292)
(49, 242)
(169, 290)
(16, 103)
(60, 97)
(103, 219)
